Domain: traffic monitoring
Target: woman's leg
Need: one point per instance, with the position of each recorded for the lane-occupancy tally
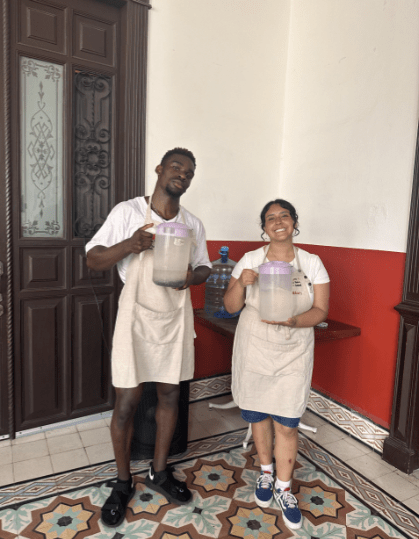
(263, 438)
(286, 445)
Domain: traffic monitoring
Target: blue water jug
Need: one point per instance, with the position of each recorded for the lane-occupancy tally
(217, 284)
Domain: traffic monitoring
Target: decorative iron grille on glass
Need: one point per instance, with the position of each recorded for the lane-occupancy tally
(92, 128)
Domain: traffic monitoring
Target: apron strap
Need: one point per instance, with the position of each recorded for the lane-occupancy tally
(182, 219)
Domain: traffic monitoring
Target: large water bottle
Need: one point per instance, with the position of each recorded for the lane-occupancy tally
(216, 286)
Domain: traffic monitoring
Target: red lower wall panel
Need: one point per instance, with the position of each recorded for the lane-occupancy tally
(357, 372)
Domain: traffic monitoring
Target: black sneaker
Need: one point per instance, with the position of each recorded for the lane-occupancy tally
(173, 490)
(115, 507)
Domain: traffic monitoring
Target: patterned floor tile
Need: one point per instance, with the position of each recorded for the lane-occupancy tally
(336, 501)
(209, 387)
(354, 424)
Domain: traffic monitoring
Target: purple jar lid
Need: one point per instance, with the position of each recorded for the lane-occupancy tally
(275, 268)
(173, 229)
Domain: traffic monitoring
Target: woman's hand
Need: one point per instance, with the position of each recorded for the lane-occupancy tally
(291, 322)
(247, 277)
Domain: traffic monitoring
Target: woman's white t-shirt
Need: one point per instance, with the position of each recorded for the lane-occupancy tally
(311, 265)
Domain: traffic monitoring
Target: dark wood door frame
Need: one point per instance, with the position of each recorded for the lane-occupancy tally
(401, 448)
(130, 170)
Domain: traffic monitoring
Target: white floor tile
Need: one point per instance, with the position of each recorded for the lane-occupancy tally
(379, 458)
(312, 419)
(29, 439)
(236, 422)
(96, 436)
(218, 425)
(65, 443)
(326, 434)
(31, 450)
(397, 486)
(202, 412)
(90, 425)
(196, 431)
(60, 432)
(6, 474)
(100, 453)
(365, 449)
(343, 450)
(5, 455)
(413, 503)
(30, 469)
(69, 460)
(369, 466)
(5, 443)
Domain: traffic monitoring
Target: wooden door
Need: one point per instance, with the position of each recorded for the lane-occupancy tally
(67, 66)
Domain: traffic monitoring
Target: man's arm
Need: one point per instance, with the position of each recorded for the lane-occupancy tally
(102, 258)
(196, 276)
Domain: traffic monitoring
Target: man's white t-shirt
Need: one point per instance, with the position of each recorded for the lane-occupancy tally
(127, 217)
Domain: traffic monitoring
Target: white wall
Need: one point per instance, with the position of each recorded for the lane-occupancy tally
(351, 119)
(223, 75)
(216, 81)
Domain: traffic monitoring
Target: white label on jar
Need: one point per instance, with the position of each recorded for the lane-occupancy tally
(179, 241)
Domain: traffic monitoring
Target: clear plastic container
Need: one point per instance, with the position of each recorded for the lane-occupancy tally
(172, 249)
(217, 284)
(275, 291)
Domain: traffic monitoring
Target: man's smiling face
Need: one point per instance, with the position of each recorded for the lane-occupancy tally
(175, 174)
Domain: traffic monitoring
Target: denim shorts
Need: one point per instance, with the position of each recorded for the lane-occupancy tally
(257, 417)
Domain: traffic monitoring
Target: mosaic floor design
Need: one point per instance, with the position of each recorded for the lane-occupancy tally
(337, 503)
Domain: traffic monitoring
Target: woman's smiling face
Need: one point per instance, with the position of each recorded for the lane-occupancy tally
(279, 224)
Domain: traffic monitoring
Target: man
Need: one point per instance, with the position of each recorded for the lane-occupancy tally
(145, 310)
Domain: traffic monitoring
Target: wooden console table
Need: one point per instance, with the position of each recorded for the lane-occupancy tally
(227, 327)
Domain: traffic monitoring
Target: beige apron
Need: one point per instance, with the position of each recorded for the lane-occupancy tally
(273, 365)
(153, 338)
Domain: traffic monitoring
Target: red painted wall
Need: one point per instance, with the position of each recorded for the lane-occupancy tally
(358, 372)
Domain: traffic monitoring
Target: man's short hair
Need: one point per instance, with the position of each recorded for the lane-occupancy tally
(181, 151)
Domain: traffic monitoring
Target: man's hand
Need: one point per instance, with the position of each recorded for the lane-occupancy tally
(189, 279)
(141, 240)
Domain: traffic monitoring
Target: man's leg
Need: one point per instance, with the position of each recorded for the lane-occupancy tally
(127, 400)
(160, 477)
(166, 417)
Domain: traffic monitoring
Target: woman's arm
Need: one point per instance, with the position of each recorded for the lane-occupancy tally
(317, 314)
(236, 291)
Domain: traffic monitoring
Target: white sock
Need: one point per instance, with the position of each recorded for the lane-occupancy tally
(268, 468)
(282, 485)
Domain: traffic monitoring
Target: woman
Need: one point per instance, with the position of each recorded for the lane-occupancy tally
(273, 361)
